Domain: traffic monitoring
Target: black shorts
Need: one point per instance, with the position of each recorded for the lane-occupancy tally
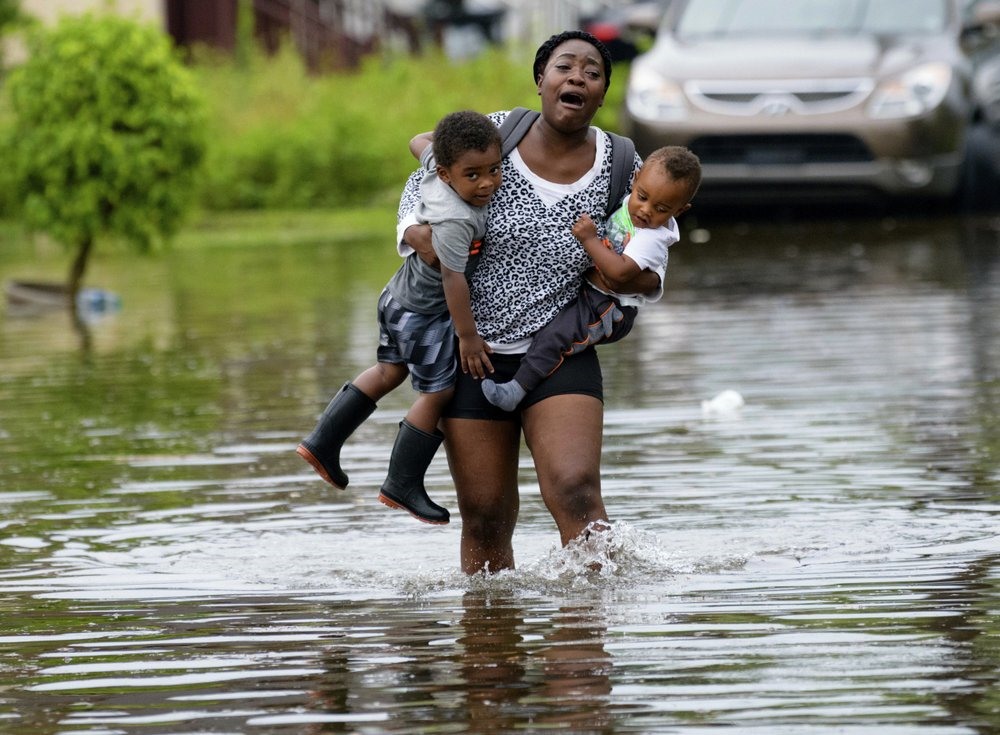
(579, 374)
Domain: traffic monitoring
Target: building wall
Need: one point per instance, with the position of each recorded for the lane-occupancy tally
(49, 11)
(12, 49)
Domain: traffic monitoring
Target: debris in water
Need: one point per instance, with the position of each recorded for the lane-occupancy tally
(726, 403)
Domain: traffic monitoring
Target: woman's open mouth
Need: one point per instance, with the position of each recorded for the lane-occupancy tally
(572, 99)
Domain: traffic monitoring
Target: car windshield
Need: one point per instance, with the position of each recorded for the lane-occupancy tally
(721, 18)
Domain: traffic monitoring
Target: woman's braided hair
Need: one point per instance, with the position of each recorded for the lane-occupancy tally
(544, 52)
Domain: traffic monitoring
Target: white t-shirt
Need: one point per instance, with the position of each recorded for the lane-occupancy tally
(647, 247)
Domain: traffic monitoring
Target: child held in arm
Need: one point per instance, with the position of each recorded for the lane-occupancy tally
(638, 235)
(420, 312)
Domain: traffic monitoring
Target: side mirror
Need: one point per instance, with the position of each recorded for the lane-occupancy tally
(985, 16)
(645, 17)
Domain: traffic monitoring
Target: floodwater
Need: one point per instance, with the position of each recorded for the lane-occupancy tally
(825, 559)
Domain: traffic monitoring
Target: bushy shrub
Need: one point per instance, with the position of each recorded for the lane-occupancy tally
(316, 158)
(106, 134)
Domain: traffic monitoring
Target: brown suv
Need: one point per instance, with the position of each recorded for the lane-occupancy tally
(819, 96)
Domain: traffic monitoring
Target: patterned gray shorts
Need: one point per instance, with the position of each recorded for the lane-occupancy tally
(424, 342)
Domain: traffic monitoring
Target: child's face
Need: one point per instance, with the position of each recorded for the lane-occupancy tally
(474, 176)
(656, 197)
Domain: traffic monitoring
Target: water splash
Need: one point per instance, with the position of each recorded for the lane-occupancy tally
(605, 556)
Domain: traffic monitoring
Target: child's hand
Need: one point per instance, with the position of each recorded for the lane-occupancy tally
(584, 229)
(475, 356)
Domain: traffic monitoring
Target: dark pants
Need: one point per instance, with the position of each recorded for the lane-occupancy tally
(591, 318)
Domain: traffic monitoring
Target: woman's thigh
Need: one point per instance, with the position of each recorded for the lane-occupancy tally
(483, 457)
(564, 434)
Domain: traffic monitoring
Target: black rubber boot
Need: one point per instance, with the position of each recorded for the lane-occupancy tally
(345, 413)
(404, 487)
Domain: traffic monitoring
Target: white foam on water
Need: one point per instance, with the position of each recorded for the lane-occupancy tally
(365, 552)
(418, 562)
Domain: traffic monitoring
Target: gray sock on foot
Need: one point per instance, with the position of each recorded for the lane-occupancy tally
(503, 395)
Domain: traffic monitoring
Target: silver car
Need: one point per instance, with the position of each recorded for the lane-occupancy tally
(820, 97)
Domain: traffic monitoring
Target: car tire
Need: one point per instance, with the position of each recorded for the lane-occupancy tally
(979, 190)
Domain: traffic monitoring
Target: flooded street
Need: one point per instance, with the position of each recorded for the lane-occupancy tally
(825, 559)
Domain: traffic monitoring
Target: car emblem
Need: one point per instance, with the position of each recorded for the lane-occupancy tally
(775, 106)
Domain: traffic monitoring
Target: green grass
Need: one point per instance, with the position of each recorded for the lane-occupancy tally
(262, 228)
(284, 138)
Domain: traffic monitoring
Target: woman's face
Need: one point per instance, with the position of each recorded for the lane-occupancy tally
(572, 85)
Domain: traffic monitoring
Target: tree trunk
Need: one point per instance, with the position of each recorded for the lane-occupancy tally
(77, 270)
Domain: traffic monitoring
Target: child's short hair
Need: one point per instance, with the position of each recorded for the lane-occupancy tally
(463, 131)
(679, 163)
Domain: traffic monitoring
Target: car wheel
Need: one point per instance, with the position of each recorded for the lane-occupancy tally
(979, 190)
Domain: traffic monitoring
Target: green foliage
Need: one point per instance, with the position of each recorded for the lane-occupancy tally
(9, 13)
(107, 132)
(284, 138)
(245, 30)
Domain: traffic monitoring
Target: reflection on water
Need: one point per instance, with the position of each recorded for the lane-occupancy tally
(826, 559)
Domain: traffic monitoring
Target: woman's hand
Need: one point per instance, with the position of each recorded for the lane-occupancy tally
(418, 237)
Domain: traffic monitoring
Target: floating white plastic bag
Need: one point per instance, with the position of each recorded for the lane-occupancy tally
(726, 403)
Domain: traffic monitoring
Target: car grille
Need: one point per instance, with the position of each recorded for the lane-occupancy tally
(778, 97)
(761, 150)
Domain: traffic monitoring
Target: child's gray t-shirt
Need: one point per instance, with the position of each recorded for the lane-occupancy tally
(457, 230)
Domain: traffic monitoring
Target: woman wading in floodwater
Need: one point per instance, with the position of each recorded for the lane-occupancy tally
(531, 267)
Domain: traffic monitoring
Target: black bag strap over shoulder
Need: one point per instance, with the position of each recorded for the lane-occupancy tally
(514, 127)
(519, 121)
(622, 166)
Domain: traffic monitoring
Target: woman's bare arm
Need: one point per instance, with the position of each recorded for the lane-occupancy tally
(418, 237)
(419, 142)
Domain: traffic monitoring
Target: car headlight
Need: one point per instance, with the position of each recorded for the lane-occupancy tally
(912, 93)
(652, 97)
